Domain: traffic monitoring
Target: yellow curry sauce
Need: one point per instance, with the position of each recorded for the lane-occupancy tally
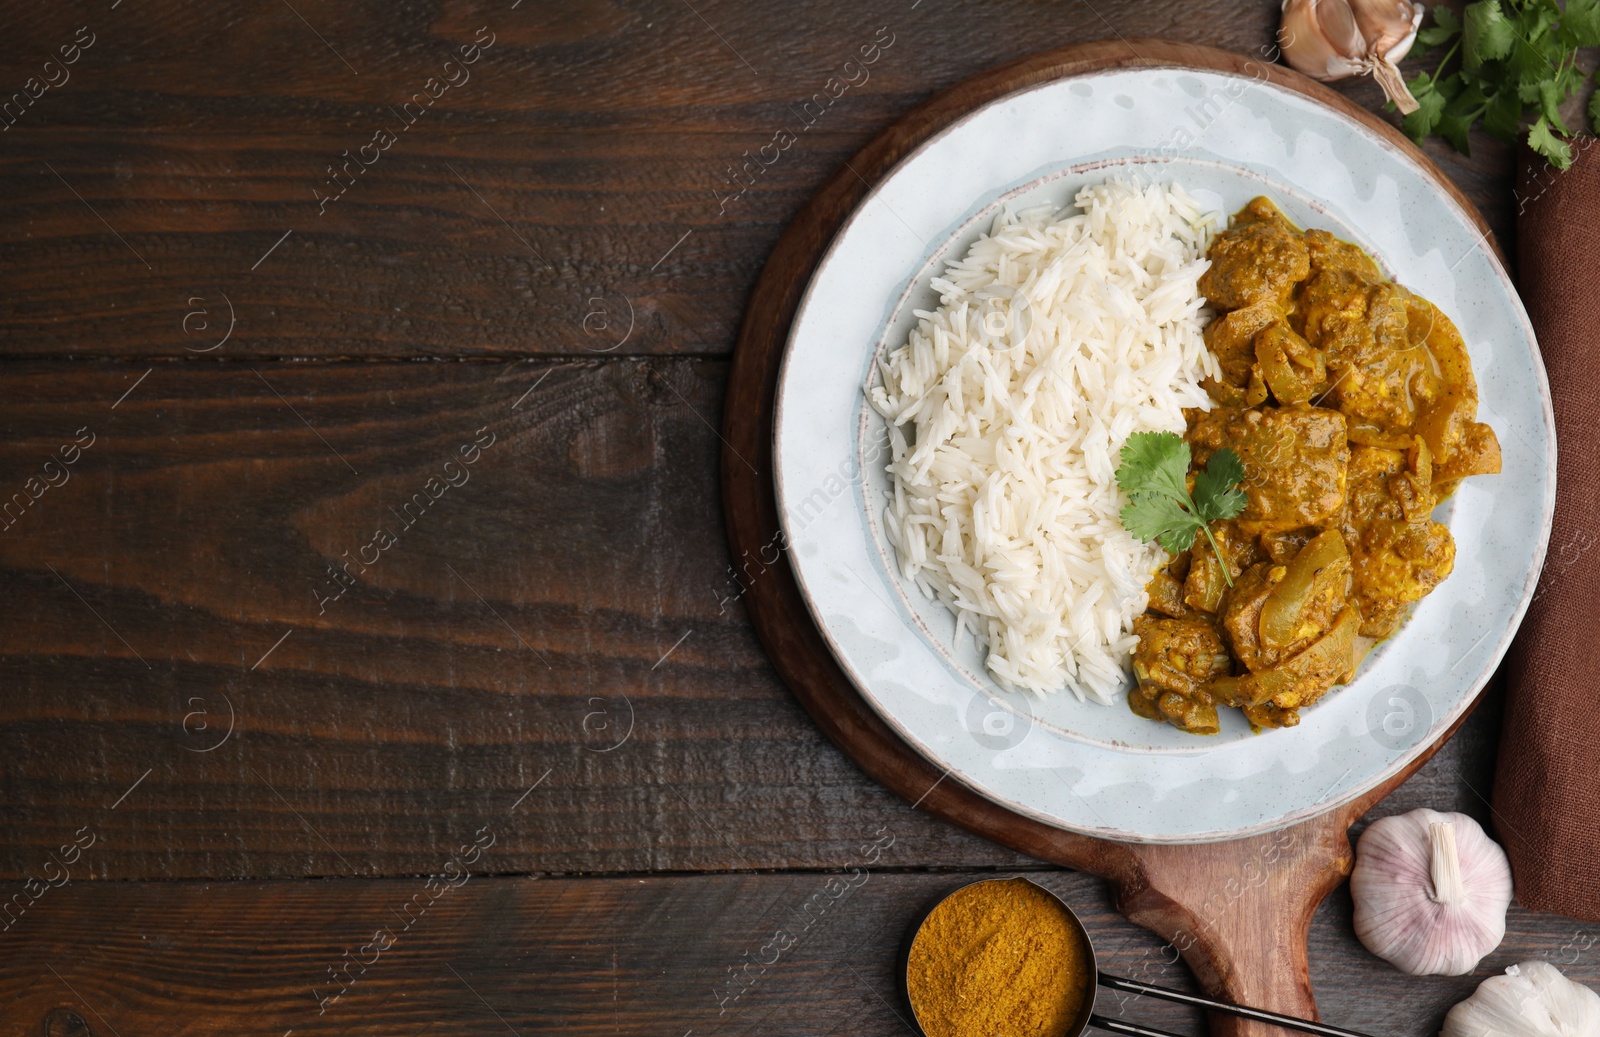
(1352, 404)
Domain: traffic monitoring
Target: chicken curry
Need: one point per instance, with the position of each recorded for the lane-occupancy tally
(1352, 404)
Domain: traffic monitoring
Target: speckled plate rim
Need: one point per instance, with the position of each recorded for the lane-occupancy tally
(1341, 791)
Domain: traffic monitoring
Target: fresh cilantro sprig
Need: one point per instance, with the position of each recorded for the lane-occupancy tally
(1518, 62)
(1154, 474)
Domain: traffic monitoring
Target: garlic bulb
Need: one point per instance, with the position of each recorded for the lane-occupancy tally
(1335, 39)
(1531, 1000)
(1431, 892)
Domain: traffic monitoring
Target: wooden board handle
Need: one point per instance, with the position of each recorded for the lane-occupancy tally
(1240, 913)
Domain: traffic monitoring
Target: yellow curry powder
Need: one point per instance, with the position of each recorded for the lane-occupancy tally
(998, 959)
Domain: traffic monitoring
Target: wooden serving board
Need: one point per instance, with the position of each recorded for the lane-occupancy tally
(1239, 911)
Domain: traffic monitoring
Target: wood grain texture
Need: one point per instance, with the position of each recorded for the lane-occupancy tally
(1255, 954)
(649, 955)
(146, 205)
(541, 207)
(204, 515)
(145, 592)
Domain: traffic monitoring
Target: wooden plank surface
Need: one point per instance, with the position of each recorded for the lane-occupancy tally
(202, 522)
(555, 648)
(571, 195)
(564, 614)
(804, 953)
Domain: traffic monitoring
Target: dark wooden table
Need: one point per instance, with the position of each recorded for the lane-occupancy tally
(376, 665)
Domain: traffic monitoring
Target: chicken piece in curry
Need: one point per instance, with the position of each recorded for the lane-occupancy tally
(1352, 404)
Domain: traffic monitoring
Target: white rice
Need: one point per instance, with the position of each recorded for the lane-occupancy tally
(1055, 339)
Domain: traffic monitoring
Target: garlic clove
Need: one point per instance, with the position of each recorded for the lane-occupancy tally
(1335, 39)
(1430, 891)
(1321, 38)
(1532, 999)
(1388, 26)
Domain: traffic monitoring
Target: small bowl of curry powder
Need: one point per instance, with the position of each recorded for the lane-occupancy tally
(1001, 958)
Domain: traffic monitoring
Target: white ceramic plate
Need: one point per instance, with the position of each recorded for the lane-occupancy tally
(1100, 769)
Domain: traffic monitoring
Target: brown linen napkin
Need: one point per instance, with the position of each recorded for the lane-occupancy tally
(1547, 785)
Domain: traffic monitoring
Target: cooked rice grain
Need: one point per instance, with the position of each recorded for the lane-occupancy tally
(1055, 339)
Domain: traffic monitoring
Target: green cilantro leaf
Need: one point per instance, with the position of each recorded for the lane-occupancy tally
(1435, 36)
(1581, 23)
(1430, 108)
(1510, 64)
(1464, 108)
(1469, 100)
(1550, 98)
(1555, 150)
(1160, 508)
(1533, 19)
(1153, 517)
(1571, 78)
(1532, 61)
(1503, 116)
(1594, 111)
(1216, 490)
(1453, 128)
(1486, 34)
(1154, 462)
(1452, 87)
